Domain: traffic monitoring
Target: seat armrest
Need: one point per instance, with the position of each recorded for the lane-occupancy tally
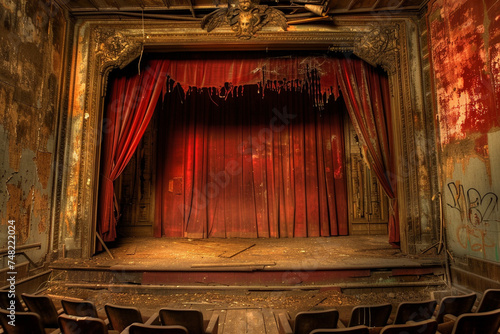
(449, 317)
(284, 324)
(153, 320)
(125, 331)
(340, 324)
(213, 325)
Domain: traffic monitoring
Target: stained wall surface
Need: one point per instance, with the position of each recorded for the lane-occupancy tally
(465, 51)
(464, 47)
(32, 35)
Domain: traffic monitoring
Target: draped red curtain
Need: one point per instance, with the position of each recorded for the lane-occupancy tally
(132, 101)
(367, 97)
(284, 170)
(250, 166)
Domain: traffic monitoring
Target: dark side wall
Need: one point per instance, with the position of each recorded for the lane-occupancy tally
(32, 38)
(465, 54)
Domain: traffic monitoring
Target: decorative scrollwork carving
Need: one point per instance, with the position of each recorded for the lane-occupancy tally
(114, 49)
(379, 46)
(245, 18)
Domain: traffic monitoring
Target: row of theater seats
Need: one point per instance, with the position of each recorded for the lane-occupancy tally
(454, 315)
(81, 317)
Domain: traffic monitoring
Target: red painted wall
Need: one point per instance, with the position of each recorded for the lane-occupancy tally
(465, 51)
(464, 44)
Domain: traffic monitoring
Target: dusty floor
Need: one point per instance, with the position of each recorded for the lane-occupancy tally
(292, 253)
(295, 254)
(292, 301)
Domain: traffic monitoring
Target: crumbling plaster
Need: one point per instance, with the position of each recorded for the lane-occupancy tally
(32, 37)
(465, 43)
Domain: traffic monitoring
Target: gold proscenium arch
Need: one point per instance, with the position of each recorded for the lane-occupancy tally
(100, 46)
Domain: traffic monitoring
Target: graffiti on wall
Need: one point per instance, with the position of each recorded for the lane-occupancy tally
(477, 213)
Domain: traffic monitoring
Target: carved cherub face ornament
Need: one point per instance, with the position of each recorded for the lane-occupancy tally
(245, 17)
(247, 23)
(248, 18)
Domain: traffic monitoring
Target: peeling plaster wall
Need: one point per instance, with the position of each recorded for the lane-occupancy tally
(32, 37)
(424, 231)
(465, 51)
(71, 222)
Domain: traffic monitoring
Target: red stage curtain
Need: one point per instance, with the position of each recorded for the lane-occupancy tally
(367, 96)
(365, 91)
(131, 104)
(240, 70)
(250, 166)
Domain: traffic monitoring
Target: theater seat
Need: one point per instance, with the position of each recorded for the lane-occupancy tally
(478, 323)
(192, 320)
(421, 327)
(455, 305)
(25, 322)
(71, 324)
(120, 317)
(349, 330)
(44, 307)
(153, 329)
(370, 315)
(305, 322)
(414, 311)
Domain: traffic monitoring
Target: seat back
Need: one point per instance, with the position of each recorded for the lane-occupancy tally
(71, 324)
(44, 307)
(151, 329)
(455, 305)
(81, 308)
(370, 315)
(415, 311)
(25, 322)
(421, 327)
(349, 330)
(191, 319)
(7, 297)
(120, 317)
(478, 323)
(305, 322)
(490, 301)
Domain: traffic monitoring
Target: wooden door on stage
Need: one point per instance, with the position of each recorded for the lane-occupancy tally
(368, 204)
(134, 188)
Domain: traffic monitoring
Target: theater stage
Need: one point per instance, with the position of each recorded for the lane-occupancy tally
(341, 262)
(285, 253)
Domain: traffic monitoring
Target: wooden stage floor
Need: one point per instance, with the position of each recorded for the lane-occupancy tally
(276, 254)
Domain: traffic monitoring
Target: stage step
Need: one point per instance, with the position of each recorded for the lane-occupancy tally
(122, 278)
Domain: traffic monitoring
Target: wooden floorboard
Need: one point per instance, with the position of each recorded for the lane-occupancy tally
(247, 321)
(255, 322)
(269, 321)
(222, 319)
(235, 321)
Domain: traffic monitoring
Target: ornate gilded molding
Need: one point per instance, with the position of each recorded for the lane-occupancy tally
(245, 18)
(105, 45)
(113, 49)
(380, 46)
